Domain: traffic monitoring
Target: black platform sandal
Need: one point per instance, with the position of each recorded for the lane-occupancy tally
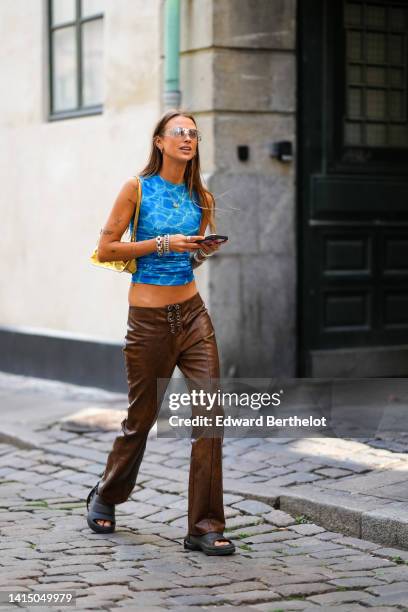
(99, 510)
(206, 541)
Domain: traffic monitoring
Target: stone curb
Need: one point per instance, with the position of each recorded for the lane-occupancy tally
(358, 516)
(22, 438)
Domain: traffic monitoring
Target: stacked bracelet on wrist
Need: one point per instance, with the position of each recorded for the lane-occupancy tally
(197, 257)
(200, 252)
(204, 254)
(159, 245)
(162, 244)
(167, 243)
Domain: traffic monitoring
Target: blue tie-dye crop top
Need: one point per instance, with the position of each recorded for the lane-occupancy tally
(159, 215)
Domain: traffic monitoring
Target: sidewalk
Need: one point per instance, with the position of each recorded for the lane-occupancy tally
(296, 509)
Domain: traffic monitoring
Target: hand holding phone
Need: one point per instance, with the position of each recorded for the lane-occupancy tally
(211, 238)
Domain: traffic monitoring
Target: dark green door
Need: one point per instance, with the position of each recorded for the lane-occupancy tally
(353, 188)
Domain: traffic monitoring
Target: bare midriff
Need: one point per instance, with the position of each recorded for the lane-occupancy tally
(146, 294)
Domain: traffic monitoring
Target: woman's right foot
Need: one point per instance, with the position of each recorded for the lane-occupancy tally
(101, 515)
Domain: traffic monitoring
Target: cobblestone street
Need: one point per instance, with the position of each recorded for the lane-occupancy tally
(282, 562)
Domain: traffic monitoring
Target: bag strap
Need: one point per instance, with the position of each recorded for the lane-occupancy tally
(137, 208)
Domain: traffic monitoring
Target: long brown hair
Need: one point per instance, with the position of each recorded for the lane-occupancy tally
(192, 174)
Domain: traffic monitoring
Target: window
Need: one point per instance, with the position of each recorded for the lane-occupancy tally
(376, 69)
(75, 57)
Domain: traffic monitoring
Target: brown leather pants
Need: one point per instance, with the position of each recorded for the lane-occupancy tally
(158, 339)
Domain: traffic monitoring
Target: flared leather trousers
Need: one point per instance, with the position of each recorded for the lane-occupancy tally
(158, 339)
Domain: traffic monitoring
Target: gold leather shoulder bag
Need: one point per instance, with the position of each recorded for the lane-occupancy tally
(123, 266)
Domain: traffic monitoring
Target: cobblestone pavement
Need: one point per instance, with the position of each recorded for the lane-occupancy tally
(358, 487)
(282, 562)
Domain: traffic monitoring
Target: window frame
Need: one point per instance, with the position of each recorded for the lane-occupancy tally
(77, 22)
(351, 158)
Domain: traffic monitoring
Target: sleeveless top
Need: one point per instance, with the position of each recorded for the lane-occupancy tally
(158, 215)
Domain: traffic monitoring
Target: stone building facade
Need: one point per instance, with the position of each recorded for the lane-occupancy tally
(300, 148)
(238, 75)
(59, 178)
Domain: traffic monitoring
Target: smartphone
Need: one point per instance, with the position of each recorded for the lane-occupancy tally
(213, 238)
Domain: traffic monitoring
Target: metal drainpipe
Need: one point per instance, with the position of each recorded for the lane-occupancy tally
(172, 93)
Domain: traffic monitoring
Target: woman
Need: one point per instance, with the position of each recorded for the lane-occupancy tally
(168, 324)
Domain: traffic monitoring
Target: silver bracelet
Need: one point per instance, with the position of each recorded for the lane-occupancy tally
(195, 260)
(159, 245)
(205, 254)
(167, 243)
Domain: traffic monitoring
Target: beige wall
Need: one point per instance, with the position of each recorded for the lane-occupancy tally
(59, 179)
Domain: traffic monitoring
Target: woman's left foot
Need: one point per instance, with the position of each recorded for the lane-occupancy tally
(211, 543)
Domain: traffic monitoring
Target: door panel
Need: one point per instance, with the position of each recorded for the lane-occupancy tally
(353, 184)
(348, 195)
